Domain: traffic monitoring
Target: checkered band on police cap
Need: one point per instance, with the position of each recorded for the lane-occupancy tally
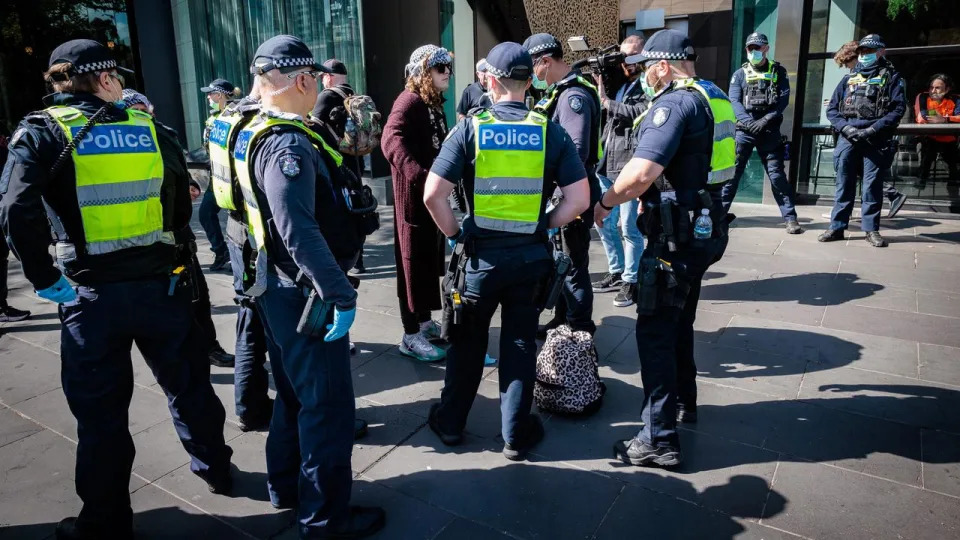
(295, 62)
(757, 38)
(95, 66)
(872, 41)
(543, 43)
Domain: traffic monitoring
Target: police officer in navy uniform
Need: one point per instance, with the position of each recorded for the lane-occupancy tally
(760, 92)
(686, 137)
(573, 102)
(290, 202)
(96, 171)
(509, 160)
(865, 110)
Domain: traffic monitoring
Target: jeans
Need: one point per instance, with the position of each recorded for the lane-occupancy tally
(770, 148)
(506, 278)
(250, 379)
(99, 328)
(210, 221)
(311, 432)
(875, 158)
(623, 255)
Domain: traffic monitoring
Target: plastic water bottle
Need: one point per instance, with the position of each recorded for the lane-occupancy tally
(703, 228)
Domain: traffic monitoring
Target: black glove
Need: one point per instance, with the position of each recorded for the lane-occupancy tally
(851, 133)
(866, 133)
(760, 124)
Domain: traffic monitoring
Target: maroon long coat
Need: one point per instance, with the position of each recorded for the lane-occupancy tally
(411, 141)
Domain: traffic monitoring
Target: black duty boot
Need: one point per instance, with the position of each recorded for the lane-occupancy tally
(531, 435)
(259, 420)
(219, 357)
(830, 235)
(446, 438)
(875, 240)
(641, 454)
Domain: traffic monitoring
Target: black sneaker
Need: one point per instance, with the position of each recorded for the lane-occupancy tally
(542, 329)
(634, 452)
(608, 283)
(220, 262)
(529, 437)
(67, 530)
(359, 428)
(793, 226)
(875, 240)
(12, 314)
(686, 415)
(830, 235)
(896, 204)
(219, 357)
(445, 438)
(626, 296)
(258, 421)
(361, 523)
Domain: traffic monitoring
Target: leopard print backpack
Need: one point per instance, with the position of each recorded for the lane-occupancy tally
(568, 376)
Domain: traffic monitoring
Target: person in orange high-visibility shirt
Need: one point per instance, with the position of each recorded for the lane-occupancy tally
(938, 106)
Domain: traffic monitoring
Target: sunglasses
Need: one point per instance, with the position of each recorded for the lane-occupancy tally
(314, 74)
(443, 68)
(118, 77)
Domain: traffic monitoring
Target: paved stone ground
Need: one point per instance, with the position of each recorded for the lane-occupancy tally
(829, 398)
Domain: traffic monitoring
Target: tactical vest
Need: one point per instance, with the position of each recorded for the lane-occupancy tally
(867, 98)
(119, 174)
(246, 143)
(222, 133)
(508, 184)
(761, 92)
(723, 157)
(548, 105)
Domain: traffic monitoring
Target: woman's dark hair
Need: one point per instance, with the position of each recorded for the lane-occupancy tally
(947, 81)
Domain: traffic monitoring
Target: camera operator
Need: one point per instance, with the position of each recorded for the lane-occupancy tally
(623, 254)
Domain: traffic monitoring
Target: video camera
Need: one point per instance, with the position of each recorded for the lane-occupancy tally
(606, 62)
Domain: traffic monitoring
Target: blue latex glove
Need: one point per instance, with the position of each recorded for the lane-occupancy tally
(489, 361)
(452, 240)
(553, 232)
(342, 321)
(60, 292)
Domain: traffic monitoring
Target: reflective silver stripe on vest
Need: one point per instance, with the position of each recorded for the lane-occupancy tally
(118, 192)
(507, 186)
(500, 224)
(724, 130)
(109, 246)
(249, 197)
(723, 175)
(219, 172)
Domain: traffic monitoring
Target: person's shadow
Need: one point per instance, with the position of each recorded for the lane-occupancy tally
(816, 289)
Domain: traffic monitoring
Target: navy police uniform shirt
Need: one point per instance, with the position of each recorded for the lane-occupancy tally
(289, 172)
(738, 89)
(576, 111)
(677, 133)
(886, 124)
(457, 157)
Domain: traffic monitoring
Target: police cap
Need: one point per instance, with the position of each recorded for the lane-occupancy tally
(509, 60)
(219, 85)
(284, 51)
(86, 55)
(872, 41)
(543, 44)
(757, 39)
(335, 66)
(665, 45)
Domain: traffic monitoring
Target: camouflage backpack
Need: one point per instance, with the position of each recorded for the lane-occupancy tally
(363, 128)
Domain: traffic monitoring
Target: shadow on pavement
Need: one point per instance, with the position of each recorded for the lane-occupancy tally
(815, 289)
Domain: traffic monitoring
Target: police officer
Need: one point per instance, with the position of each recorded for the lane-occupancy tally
(253, 407)
(760, 92)
(865, 110)
(686, 136)
(218, 92)
(573, 102)
(510, 160)
(287, 190)
(96, 171)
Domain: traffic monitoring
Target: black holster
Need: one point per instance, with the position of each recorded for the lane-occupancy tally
(549, 290)
(454, 283)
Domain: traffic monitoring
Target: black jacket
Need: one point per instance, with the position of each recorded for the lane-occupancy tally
(329, 109)
(30, 194)
(618, 136)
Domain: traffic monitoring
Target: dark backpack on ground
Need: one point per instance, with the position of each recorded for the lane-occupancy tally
(568, 373)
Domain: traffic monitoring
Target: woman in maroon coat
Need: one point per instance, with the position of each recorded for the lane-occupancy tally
(411, 140)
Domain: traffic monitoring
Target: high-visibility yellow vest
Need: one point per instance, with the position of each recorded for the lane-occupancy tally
(220, 134)
(723, 157)
(119, 173)
(508, 184)
(546, 105)
(243, 150)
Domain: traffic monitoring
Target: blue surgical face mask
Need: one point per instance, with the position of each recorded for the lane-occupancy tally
(868, 59)
(755, 56)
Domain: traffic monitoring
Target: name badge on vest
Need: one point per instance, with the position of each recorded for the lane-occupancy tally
(218, 133)
(115, 139)
(510, 137)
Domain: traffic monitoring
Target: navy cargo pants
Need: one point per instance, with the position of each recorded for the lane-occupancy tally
(769, 146)
(250, 377)
(575, 305)
(311, 432)
(509, 278)
(874, 158)
(98, 330)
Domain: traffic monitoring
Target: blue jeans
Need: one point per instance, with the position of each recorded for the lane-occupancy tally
(623, 255)
(507, 278)
(874, 159)
(210, 222)
(250, 379)
(98, 330)
(311, 432)
(770, 148)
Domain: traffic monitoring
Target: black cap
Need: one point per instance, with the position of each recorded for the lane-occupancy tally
(665, 45)
(335, 66)
(219, 85)
(758, 39)
(509, 60)
(283, 51)
(872, 41)
(86, 55)
(541, 44)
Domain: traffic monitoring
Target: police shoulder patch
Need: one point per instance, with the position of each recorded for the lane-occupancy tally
(660, 115)
(576, 104)
(289, 165)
